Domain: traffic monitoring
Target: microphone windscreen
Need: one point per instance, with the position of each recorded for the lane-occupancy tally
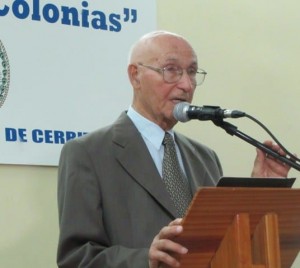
(180, 111)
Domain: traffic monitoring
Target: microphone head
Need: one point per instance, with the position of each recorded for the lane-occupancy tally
(180, 111)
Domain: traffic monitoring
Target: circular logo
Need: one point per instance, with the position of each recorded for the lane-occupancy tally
(4, 74)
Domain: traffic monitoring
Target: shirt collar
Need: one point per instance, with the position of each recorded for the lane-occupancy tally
(149, 130)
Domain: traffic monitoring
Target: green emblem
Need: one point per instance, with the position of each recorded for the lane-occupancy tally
(4, 74)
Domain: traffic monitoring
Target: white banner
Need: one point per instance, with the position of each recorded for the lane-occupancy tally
(68, 71)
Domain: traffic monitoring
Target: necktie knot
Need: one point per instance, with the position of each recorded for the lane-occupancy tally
(168, 139)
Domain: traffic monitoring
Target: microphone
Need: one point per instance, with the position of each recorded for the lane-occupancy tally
(184, 112)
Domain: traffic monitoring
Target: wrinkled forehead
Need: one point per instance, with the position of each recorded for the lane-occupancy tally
(183, 58)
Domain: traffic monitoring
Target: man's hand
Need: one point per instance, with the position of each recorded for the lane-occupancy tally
(163, 250)
(266, 166)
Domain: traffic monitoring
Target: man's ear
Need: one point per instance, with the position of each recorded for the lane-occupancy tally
(133, 75)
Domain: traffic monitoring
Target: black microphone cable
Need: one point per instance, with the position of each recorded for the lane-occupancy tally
(292, 156)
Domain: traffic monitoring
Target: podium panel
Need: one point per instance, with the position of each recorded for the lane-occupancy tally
(213, 210)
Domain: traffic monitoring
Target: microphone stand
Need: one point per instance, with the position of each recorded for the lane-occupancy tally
(233, 130)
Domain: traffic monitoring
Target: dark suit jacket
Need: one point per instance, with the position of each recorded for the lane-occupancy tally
(112, 201)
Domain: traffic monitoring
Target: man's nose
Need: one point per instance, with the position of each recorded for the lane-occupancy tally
(186, 82)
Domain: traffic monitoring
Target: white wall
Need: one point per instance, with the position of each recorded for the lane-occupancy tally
(251, 51)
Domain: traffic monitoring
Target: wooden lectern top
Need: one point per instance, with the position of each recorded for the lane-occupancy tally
(213, 209)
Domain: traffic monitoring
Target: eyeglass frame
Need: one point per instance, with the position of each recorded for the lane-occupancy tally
(162, 70)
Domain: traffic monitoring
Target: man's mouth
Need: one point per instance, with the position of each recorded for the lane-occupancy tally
(177, 100)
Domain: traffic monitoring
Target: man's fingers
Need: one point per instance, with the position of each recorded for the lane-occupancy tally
(163, 249)
(177, 221)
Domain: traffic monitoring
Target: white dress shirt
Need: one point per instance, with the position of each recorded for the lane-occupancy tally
(153, 136)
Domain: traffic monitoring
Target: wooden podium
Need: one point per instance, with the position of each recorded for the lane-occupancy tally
(242, 228)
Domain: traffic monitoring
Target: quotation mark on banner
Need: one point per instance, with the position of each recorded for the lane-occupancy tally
(130, 13)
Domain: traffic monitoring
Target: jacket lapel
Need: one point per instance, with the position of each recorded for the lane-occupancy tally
(132, 153)
(195, 167)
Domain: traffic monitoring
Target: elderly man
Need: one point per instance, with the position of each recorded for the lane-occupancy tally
(117, 206)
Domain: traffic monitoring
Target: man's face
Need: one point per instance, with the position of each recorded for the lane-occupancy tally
(156, 98)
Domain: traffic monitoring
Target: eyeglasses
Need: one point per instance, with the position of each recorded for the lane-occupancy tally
(173, 73)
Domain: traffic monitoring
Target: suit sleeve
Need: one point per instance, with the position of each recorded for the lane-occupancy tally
(83, 241)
